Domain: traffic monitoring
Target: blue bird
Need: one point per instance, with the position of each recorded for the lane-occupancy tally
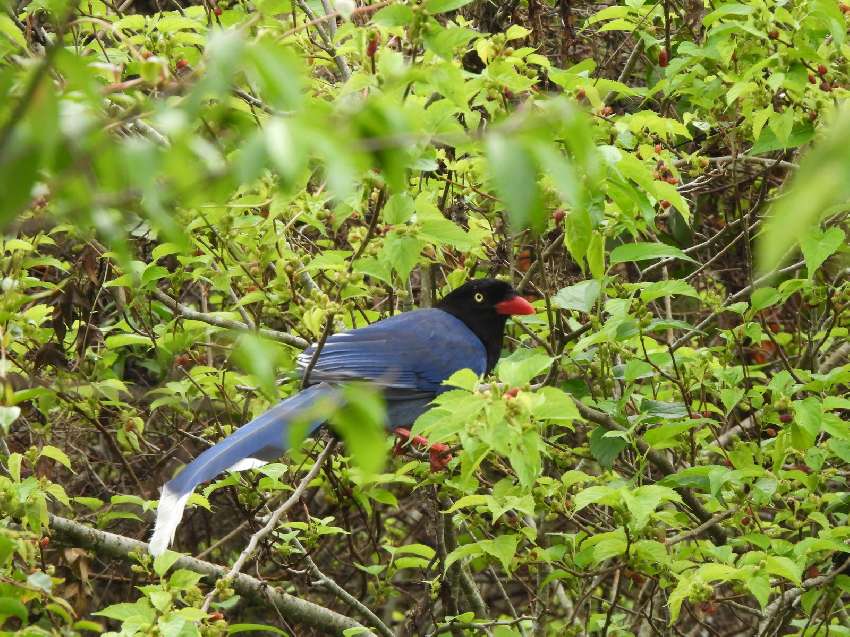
(408, 356)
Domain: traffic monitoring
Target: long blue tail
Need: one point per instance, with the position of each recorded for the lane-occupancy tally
(263, 439)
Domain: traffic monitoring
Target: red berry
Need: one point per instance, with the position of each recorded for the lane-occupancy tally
(182, 63)
(663, 58)
(372, 47)
(822, 70)
(664, 204)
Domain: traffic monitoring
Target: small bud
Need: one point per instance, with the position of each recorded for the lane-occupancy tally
(217, 10)
(812, 79)
(822, 70)
(773, 35)
(664, 204)
(663, 58)
(181, 64)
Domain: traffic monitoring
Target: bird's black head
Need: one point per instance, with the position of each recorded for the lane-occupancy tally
(484, 306)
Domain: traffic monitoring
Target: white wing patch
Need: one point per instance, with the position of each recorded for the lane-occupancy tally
(247, 463)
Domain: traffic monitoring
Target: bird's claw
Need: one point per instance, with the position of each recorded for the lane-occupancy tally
(438, 453)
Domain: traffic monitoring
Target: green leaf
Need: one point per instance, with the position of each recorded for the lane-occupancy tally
(605, 449)
(581, 296)
(395, 15)
(818, 245)
(165, 561)
(592, 495)
(557, 405)
(646, 252)
(513, 172)
(808, 416)
(464, 379)
(822, 182)
(360, 422)
(784, 567)
(441, 6)
(764, 297)
(140, 611)
(520, 367)
(399, 207)
(672, 287)
(503, 548)
(578, 234)
(12, 607)
(58, 455)
(402, 252)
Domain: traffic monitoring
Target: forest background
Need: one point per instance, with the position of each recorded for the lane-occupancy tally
(190, 193)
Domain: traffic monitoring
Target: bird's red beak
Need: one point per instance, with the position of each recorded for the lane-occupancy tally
(514, 305)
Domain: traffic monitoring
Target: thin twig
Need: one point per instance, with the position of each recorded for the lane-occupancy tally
(343, 594)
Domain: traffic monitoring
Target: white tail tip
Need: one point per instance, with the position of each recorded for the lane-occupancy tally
(168, 516)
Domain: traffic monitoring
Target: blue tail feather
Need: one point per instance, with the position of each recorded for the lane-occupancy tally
(263, 439)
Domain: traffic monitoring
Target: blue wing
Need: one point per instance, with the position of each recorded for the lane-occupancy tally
(414, 351)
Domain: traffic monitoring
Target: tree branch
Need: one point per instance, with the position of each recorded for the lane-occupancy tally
(294, 609)
(186, 312)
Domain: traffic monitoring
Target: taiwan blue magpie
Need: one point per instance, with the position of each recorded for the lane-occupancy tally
(408, 356)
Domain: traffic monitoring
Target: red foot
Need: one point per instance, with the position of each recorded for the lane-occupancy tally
(438, 453)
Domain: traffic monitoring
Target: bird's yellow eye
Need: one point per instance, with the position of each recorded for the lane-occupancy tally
(478, 297)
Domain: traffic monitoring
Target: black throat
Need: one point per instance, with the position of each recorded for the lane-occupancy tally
(487, 325)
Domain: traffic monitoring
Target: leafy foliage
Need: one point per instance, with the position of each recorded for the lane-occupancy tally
(192, 193)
